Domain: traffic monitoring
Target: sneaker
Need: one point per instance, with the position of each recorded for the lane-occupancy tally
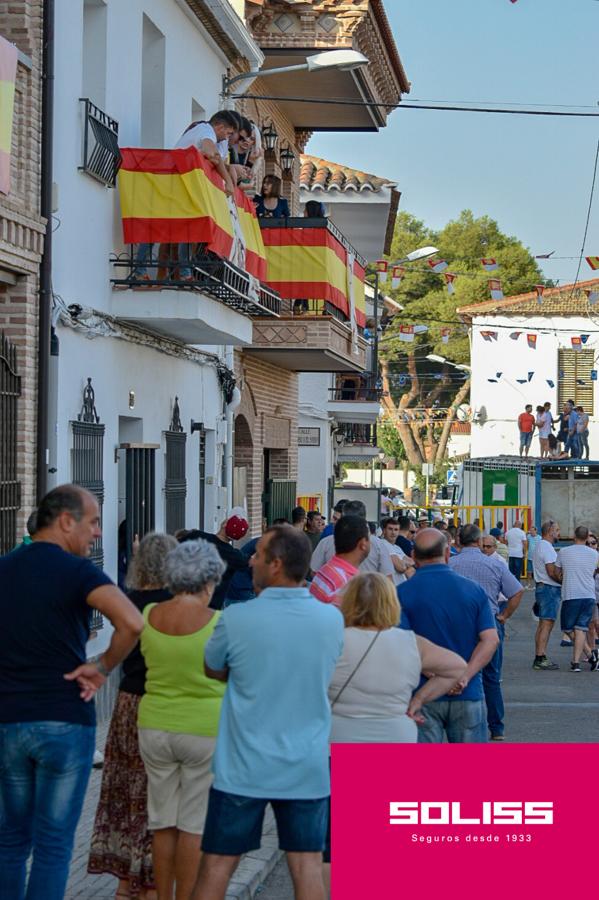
(575, 667)
(544, 664)
(497, 737)
(564, 643)
(594, 660)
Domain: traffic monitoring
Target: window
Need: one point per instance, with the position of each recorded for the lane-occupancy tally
(575, 378)
(152, 86)
(93, 82)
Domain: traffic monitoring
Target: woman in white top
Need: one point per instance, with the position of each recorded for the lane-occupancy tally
(372, 690)
(380, 669)
(543, 424)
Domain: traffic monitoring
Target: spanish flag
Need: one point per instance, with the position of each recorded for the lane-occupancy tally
(8, 74)
(177, 196)
(311, 264)
(593, 262)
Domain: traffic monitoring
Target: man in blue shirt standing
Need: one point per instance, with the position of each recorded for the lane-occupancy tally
(453, 612)
(278, 654)
(505, 592)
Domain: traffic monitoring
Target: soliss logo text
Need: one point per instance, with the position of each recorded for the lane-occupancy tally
(497, 812)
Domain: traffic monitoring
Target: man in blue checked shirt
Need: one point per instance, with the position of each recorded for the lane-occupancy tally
(497, 582)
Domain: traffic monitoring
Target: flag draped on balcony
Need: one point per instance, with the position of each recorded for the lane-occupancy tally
(312, 264)
(8, 74)
(177, 196)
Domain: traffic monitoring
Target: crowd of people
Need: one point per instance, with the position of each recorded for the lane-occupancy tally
(571, 437)
(240, 669)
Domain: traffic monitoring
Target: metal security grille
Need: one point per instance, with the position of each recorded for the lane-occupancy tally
(175, 483)
(10, 486)
(575, 378)
(280, 499)
(101, 154)
(140, 480)
(202, 479)
(87, 468)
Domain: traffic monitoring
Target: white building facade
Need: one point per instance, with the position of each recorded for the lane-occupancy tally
(140, 384)
(526, 352)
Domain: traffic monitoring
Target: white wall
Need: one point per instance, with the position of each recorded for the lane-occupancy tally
(504, 401)
(315, 464)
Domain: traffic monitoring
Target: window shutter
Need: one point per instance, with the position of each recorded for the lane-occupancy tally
(576, 366)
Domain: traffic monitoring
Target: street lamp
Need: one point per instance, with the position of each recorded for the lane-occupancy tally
(441, 359)
(287, 158)
(343, 60)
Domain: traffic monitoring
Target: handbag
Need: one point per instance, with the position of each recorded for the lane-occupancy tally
(351, 675)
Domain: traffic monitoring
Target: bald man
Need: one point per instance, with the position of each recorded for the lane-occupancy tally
(454, 613)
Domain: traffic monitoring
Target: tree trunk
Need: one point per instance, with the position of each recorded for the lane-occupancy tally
(451, 414)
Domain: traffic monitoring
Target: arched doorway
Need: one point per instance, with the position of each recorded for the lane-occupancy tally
(243, 465)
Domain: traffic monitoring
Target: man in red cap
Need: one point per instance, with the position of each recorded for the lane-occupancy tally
(233, 528)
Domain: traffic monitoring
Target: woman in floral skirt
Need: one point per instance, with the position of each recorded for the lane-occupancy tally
(121, 844)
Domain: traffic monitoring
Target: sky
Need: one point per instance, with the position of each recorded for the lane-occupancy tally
(532, 174)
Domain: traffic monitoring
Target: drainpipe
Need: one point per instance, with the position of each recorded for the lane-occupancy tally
(45, 285)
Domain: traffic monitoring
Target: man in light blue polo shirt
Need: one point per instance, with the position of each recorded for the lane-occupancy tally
(278, 654)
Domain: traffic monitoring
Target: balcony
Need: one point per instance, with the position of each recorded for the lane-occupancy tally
(356, 442)
(355, 399)
(195, 263)
(310, 258)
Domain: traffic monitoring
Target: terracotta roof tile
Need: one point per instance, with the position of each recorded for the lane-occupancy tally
(564, 300)
(320, 174)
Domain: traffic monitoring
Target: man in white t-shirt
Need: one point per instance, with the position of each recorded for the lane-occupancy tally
(578, 564)
(403, 565)
(516, 546)
(547, 577)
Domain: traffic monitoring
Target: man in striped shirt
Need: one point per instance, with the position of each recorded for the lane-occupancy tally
(352, 546)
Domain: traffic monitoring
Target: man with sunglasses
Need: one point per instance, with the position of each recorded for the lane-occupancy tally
(407, 532)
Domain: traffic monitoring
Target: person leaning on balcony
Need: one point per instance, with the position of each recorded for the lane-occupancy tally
(245, 152)
(212, 140)
(269, 203)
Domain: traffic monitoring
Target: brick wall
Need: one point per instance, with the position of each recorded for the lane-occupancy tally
(22, 230)
(268, 394)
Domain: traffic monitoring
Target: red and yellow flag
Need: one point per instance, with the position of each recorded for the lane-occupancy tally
(177, 196)
(593, 262)
(8, 74)
(311, 264)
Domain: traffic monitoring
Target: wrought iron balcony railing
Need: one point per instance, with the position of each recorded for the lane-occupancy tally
(358, 435)
(193, 267)
(362, 394)
(101, 154)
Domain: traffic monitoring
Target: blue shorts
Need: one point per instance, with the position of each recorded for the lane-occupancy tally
(576, 615)
(547, 600)
(234, 824)
(525, 439)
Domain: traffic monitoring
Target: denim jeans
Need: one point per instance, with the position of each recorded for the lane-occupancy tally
(144, 252)
(573, 446)
(492, 685)
(44, 770)
(464, 722)
(515, 565)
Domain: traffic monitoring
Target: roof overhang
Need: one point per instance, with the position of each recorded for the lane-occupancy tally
(363, 216)
(228, 31)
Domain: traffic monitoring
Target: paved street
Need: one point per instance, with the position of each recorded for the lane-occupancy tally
(541, 707)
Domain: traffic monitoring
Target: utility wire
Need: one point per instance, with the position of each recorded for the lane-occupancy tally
(588, 219)
(476, 109)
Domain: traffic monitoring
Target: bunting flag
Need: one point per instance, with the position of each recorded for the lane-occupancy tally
(406, 333)
(522, 380)
(593, 374)
(8, 74)
(312, 263)
(561, 375)
(550, 382)
(445, 332)
(593, 262)
(492, 380)
(449, 280)
(437, 265)
(495, 289)
(584, 338)
(489, 335)
(532, 341)
(544, 255)
(382, 267)
(490, 265)
(530, 374)
(397, 273)
(515, 335)
(540, 289)
(420, 329)
(592, 296)
(576, 343)
(580, 381)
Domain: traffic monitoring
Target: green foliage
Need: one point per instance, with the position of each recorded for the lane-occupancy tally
(462, 243)
(388, 440)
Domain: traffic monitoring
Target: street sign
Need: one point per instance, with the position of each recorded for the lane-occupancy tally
(308, 437)
(453, 476)
(428, 469)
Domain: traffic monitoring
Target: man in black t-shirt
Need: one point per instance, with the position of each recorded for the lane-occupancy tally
(47, 722)
(405, 538)
(233, 528)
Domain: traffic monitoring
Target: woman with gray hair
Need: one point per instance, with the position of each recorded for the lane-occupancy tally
(121, 844)
(178, 715)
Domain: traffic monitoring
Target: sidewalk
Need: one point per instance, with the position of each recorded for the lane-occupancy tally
(248, 879)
